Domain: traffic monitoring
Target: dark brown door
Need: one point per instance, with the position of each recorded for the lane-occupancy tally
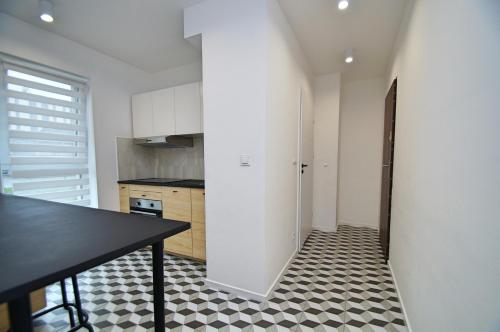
(387, 167)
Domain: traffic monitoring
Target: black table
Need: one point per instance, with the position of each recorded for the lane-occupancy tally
(44, 242)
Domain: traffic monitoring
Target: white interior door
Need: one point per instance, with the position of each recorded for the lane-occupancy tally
(305, 167)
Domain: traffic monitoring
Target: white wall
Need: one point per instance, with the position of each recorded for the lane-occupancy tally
(288, 73)
(326, 136)
(360, 155)
(234, 98)
(111, 83)
(445, 226)
(251, 102)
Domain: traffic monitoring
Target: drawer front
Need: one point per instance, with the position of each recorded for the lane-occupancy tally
(199, 242)
(181, 243)
(138, 187)
(198, 205)
(177, 204)
(124, 199)
(145, 194)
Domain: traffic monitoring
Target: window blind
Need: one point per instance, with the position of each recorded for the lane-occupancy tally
(44, 118)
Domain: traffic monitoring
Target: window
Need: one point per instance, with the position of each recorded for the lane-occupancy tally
(45, 152)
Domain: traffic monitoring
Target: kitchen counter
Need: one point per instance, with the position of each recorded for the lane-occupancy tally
(196, 184)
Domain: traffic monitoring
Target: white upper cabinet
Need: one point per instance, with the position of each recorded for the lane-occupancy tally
(188, 109)
(163, 112)
(172, 111)
(142, 114)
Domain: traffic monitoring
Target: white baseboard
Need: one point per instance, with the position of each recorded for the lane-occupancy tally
(246, 294)
(407, 321)
(278, 277)
(357, 224)
(327, 229)
(240, 292)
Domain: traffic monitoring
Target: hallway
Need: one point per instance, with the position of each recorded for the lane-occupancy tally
(338, 282)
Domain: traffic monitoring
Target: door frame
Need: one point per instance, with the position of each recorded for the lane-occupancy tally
(385, 214)
(298, 228)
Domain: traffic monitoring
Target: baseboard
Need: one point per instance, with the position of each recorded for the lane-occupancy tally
(357, 224)
(240, 292)
(327, 229)
(403, 309)
(278, 277)
(246, 294)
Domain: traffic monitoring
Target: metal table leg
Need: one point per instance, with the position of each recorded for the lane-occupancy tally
(158, 287)
(20, 314)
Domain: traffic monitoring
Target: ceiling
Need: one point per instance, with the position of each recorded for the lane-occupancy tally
(368, 26)
(148, 34)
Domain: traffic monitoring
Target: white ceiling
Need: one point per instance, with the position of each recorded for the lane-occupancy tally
(148, 34)
(368, 26)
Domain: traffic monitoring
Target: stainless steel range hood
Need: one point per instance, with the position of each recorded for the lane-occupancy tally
(166, 141)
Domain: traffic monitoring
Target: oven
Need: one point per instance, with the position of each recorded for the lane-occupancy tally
(147, 207)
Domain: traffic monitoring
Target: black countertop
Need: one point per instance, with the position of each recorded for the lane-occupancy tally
(196, 184)
(43, 242)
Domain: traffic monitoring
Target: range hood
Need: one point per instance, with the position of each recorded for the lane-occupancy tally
(166, 141)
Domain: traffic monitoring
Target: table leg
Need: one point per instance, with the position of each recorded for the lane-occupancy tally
(20, 314)
(158, 289)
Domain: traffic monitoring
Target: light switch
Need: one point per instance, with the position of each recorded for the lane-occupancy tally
(244, 160)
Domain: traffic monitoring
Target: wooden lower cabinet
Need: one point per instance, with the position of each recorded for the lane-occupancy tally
(183, 204)
(177, 203)
(38, 302)
(198, 230)
(124, 198)
(181, 243)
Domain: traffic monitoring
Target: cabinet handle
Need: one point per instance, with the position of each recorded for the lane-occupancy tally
(203, 194)
(143, 195)
(174, 191)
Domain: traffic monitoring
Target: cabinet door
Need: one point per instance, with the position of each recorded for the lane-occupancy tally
(180, 243)
(177, 204)
(163, 112)
(188, 109)
(199, 243)
(198, 205)
(124, 198)
(142, 115)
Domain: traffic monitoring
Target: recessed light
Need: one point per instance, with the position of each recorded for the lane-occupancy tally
(343, 4)
(46, 11)
(349, 55)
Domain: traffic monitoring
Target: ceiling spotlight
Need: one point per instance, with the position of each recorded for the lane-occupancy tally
(343, 4)
(46, 11)
(349, 55)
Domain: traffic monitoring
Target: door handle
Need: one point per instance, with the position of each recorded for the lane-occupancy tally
(386, 165)
(304, 165)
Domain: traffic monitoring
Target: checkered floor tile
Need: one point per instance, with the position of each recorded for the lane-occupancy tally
(338, 282)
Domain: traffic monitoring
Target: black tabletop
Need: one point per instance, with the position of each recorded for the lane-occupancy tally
(43, 242)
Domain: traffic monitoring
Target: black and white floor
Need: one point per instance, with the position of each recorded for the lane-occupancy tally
(338, 282)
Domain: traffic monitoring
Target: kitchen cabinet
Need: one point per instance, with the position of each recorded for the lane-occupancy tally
(198, 223)
(163, 112)
(142, 115)
(181, 243)
(188, 109)
(184, 204)
(124, 198)
(38, 302)
(177, 204)
(172, 111)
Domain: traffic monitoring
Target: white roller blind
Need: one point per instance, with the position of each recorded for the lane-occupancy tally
(44, 125)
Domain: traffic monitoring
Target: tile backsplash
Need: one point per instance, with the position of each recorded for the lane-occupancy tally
(139, 162)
